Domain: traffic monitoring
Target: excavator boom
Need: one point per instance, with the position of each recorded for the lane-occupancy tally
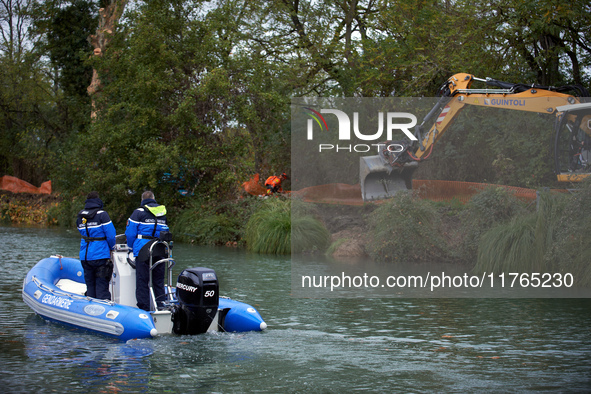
(382, 176)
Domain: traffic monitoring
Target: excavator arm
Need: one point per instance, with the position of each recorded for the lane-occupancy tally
(383, 175)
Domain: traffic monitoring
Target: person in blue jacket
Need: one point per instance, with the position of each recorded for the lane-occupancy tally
(144, 228)
(98, 238)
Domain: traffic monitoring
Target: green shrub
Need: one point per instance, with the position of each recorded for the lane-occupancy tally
(66, 212)
(405, 229)
(532, 243)
(485, 209)
(510, 247)
(571, 248)
(308, 234)
(269, 229)
(272, 229)
(205, 226)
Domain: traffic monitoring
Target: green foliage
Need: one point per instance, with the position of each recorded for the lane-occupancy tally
(272, 229)
(67, 211)
(551, 240)
(571, 249)
(497, 146)
(29, 119)
(530, 34)
(487, 208)
(308, 234)
(181, 114)
(452, 207)
(195, 95)
(510, 247)
(300, 208)
(207, 223)
(334, 246)
(207, 230)
(66, 28)
(269, 229)
(492, 205)
(404, 229)
(162, 124)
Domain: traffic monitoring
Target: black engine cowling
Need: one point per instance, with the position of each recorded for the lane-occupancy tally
(198, 295)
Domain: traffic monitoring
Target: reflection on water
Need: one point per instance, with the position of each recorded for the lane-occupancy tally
(317, 345)
(55, 349)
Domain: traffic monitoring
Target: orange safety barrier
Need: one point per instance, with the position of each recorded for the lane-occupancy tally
(16, 185)
(333, 193)
(340, 193)
(463, 191)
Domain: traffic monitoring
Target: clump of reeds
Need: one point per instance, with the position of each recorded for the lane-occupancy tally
(308, 234)
(571, 248)
(273, 230)
(510, 247)
(269, 229)
(553, 239)
(488, 208)
(405, 228)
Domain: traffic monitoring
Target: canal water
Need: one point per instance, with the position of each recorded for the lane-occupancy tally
(311, 345)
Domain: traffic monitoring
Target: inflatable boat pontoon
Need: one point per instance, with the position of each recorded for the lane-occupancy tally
(54, 288)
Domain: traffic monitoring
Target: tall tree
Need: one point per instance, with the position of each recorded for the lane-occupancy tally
(545, 41)
(64, 27)
(109, 14)
(164, 116)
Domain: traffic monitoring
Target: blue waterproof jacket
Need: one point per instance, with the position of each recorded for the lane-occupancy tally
(97, 231)
(143, 225)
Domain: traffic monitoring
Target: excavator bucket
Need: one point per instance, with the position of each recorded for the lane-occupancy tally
(379, 180)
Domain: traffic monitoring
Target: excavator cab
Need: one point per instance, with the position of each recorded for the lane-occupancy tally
(573, 142)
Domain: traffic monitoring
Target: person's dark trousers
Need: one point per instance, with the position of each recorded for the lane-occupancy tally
(142, 289)
(97, 275)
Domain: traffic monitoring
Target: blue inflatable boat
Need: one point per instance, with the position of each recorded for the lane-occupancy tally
(54, 288)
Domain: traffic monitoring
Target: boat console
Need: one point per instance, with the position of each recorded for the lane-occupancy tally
(190, 307)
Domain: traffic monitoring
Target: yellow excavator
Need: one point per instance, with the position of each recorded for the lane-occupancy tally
(382, 176)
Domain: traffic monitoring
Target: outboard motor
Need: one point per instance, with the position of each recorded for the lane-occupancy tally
(197, 292)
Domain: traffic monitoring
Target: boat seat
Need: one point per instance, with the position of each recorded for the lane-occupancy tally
(71, 286)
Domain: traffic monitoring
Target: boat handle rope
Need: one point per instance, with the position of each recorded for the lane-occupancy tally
(69, 295)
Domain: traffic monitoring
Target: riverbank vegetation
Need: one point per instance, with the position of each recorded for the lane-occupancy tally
(283, 226)
(553, 238)
(190, 99)
(193, 98)
(494, 232)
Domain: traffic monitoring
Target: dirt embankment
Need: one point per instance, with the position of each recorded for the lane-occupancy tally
(25, 208)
